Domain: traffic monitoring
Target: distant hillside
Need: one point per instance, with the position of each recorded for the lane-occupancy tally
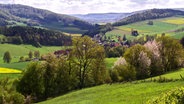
(24, 15)
(33, 36)
(102, 17)
(181, 9)
(148, 14)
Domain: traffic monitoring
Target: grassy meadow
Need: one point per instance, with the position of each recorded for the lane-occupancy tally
(137, 92)
(171, 75)
(17, 51)
(166, 25)
(16, 65)
(9, 75)
(110, 62)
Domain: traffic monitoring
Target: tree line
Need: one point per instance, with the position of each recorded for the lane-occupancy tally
(34, 36)
(154, 58)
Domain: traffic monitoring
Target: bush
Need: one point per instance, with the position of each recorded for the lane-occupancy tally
(9, 96)
(139, 57)
(114, 75)
(175, 96)
(21, 59)
(126, 72)
(17, 98)
(150, 23)
(32, 80)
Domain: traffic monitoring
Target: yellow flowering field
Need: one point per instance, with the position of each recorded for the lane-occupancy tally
(177, 21)
(130, 29)
(7, 70)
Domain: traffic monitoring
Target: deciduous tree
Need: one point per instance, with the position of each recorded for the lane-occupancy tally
(171, 53)
(139, 57)
(7, 57)
(86, 52)
(30, 54)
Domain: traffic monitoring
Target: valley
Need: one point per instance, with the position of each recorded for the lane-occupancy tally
(97, 58)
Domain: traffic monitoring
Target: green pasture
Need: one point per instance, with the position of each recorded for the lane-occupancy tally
(171, 75)
(120, 93)
(17, 51)
(10, 76)
(110, 62)
(165, 25)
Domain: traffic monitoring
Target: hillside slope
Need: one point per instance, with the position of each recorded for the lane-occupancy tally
(135, 17)
(171, 26)
(127, 93)
(16, 14)
(147, 15)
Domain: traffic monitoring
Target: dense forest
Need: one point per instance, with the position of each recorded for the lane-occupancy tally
(34, 36)
(99, 29)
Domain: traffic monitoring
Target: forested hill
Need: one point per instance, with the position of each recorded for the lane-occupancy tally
(34, 36)
(15, 14)
(149, 14)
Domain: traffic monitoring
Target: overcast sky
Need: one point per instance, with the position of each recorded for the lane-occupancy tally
(97, 6)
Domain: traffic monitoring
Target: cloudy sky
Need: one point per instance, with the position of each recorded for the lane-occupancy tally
(97, 6)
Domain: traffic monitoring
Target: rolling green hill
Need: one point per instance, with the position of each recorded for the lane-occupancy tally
(139, 20)
(121, 93)
(12, 14)
(168, 25)
(147, 15)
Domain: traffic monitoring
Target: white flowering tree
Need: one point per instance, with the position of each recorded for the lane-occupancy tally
(139, 57)
(125, 71)
(156, 66)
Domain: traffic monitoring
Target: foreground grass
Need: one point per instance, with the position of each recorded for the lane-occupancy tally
(137, 92)
(171, 75)
(128, 93)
